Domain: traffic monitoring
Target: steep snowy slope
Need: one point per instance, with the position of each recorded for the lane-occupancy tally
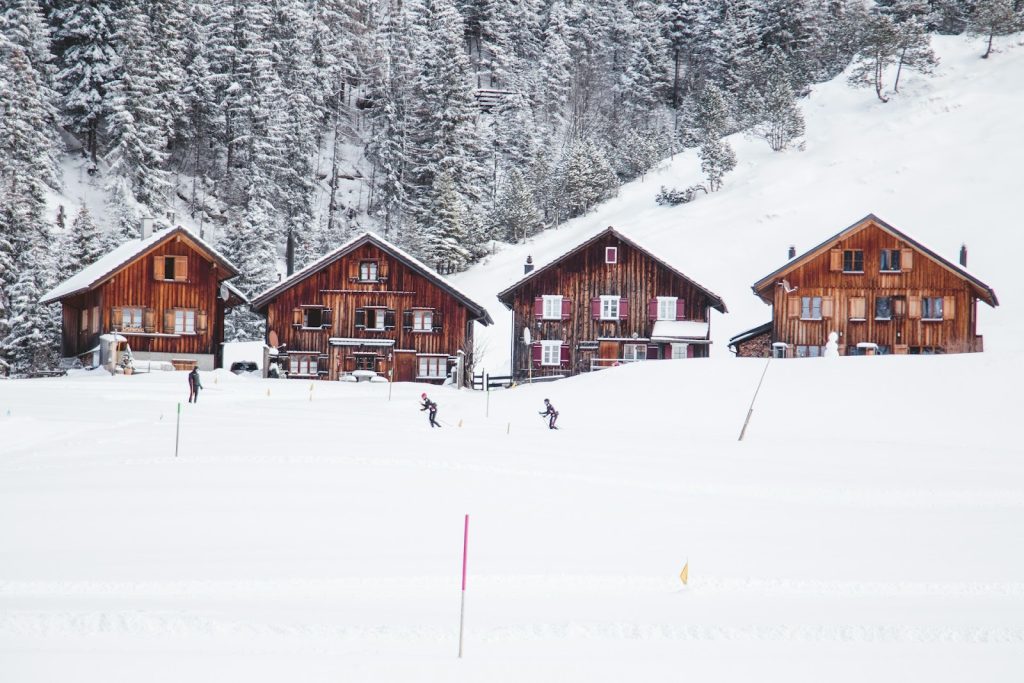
(940, 161)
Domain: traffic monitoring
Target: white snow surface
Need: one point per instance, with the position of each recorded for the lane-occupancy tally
(941, 161)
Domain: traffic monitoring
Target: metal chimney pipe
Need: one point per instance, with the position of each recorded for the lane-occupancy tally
(963, 255)
(528, 266)
(792, 252)
(147, 226)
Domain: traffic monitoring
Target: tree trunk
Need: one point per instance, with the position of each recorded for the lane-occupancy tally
(988, 50)
(899, 69)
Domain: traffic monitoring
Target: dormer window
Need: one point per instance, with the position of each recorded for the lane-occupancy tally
(611, 254)
(367, 271)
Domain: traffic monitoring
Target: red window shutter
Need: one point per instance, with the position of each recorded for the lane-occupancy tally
(652, 309)
(652, 351)
(536, 352)
(566, 308)
(595, 308)
(689, 350)
(680, 309)
(564, 358)
(538, 307)
(623, 308)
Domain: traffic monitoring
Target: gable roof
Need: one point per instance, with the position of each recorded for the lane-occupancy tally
(122, 255)
(983, 291)
(751, 333)
(716, 301)
(478, 312)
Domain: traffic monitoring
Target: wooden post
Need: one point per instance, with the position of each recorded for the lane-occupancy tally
(462, 609)
(487, 389)
(177, 431)
(750, 411)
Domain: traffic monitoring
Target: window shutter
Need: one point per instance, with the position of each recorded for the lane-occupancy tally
(180, 268)
(389, 319)
(323, 365)
(202, 322)
(690, 348)
(327, 318)
(793, 307)
(563, 359)
(158, 267)
(835, 259)
(595, 308)
(826, 307)
(913, 307)
(148, 320)
(407, 321)
(537, 355)
(680, 309)
(652, 351)
(353, 269)
(538, 307)
(858, 307)
(116, 318)
(169, 321)
(566, 308)
(382, 269)
(906, 259)
(360, 318)
(437, 321)
(297, 317)
(623, 308)
(652, 309)
(948, 307)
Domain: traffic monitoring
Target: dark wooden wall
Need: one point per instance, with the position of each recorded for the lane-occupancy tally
(401, 288)
(135, 286)
(924, 278)
(583, 276)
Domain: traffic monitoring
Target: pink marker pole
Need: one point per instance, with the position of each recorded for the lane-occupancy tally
(462, 610)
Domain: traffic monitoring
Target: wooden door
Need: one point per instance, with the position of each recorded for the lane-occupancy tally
(609, 353)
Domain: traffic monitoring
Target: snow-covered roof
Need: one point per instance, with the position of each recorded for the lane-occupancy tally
(670, 330)
(264, 298)
(122, 255)
(716, 301)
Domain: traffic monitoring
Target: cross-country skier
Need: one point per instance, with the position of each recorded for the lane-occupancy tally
(194, 385)
(550, 413)
(432, 407)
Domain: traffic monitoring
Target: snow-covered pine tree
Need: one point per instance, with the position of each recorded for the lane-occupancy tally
(444, 242)
(991, 18)
(81, 246)
(716, 156)
(554, 81)
(32, 331)
(586, 178)
(878, 49)
(87, 62)
(516, 216)
(770, 104)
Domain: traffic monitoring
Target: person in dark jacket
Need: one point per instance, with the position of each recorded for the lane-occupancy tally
(550, 413)
(194, 385)
(432, 407)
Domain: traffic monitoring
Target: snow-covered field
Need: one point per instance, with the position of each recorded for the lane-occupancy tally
(868, 527)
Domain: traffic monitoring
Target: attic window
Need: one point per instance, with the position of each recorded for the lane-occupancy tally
(611, 254)
(368, 271)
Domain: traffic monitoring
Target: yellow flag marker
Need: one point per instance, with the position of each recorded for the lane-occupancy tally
(684, 575)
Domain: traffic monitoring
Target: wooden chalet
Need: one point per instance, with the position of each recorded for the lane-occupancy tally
(165, 293)
(367, 309)
(606, 302)
(880, 290)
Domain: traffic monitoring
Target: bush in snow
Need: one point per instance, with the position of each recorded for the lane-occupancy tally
(673, 197)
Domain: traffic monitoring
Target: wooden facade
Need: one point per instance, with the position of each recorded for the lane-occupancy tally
(163, 294)
(606, 302)
(880, 291)
(370, 309)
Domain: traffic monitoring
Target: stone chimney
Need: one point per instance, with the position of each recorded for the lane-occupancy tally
(528, 266)
(963, 255)
(792, 252)
(147, 227)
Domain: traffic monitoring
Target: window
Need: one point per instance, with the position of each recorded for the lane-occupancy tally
(679, 350)
(312, 317)
(366, 361)
(853, 261)
(368, 271)
(667, 307)
(375, 318)
(808, 351)
(551, 353)
(810, 308)
(889, 261)
(632, 352)
(609, 307)
(432, 367)
(552, 307)
(302, 364)
(172, 268)
(422, 321)
(926, 350)
(95, 319)
(858, 308)
(131, 319)
(883, 308)
(931, 308)
(84, 321)
(881, 350)
(184, 321)
(611, 254)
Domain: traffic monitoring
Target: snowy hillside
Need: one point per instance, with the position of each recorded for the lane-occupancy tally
(857, 534)
(940, 161)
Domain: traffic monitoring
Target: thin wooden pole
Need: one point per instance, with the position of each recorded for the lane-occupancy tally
(750, 411)
(177, 431)
(462, 609)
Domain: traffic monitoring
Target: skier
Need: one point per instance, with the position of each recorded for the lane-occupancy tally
(194, 385)
(550, 413)
(432, 407)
